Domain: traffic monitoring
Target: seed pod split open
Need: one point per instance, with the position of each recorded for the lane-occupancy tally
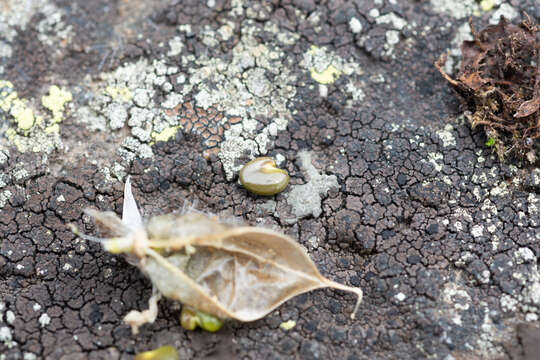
(231, 272)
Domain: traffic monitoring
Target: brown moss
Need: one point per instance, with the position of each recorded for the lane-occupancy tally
(499, 80)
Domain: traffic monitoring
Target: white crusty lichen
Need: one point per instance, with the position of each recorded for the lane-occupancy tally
(255, 85)
(4, 197)
(505, 10)
(16, 15)
(458, 9)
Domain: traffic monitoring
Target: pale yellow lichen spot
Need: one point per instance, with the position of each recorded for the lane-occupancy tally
(166, 134)
(10, 102)
(22, 114)
(328, 75)
(487, 5)
(55, 102)
(53, 129)
(119, 92)
(14, 139)
(287, 325)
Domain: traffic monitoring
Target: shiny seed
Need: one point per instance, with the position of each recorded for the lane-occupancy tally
(161, 353)
(209, 323)
(262, 177)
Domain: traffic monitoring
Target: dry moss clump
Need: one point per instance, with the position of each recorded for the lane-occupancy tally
(499, 81)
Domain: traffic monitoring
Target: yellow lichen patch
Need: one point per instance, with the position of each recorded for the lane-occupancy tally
(55, 102)
(10, 102)
(325, 76)
(328, 76)
(53, 129)
(166, 134)
(14, 139)
(22, 114)
(29, 131)
(287, 325)
(487, 5)
(122, 93)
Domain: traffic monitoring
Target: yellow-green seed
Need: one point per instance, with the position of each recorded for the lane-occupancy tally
(209, 323)
(190, 318)
(161, 353)
(262, 177)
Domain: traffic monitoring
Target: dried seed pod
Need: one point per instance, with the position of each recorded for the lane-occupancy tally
(161, 353)
(226, 271)
(262, 177)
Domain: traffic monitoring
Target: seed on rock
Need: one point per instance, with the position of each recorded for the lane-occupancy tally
(161, 353)
(262, 177)
(191, 318)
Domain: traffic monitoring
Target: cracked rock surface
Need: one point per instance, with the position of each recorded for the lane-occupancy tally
(390, 189)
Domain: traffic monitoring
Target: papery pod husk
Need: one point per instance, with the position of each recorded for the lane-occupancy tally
(225, 270)
(240, 273)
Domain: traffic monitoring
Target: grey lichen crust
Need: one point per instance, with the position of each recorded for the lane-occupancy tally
(305, 199)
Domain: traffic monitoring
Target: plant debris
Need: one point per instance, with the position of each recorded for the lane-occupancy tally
(499, 80)
(223, 270)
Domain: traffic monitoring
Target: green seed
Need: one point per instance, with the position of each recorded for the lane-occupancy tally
(262, 177)
(161, 353)
(190, 318)
(209, 323)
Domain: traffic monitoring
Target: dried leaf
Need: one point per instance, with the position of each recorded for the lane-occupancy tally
(232, 272)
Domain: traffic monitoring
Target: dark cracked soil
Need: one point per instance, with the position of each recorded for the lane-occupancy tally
(441, 236)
